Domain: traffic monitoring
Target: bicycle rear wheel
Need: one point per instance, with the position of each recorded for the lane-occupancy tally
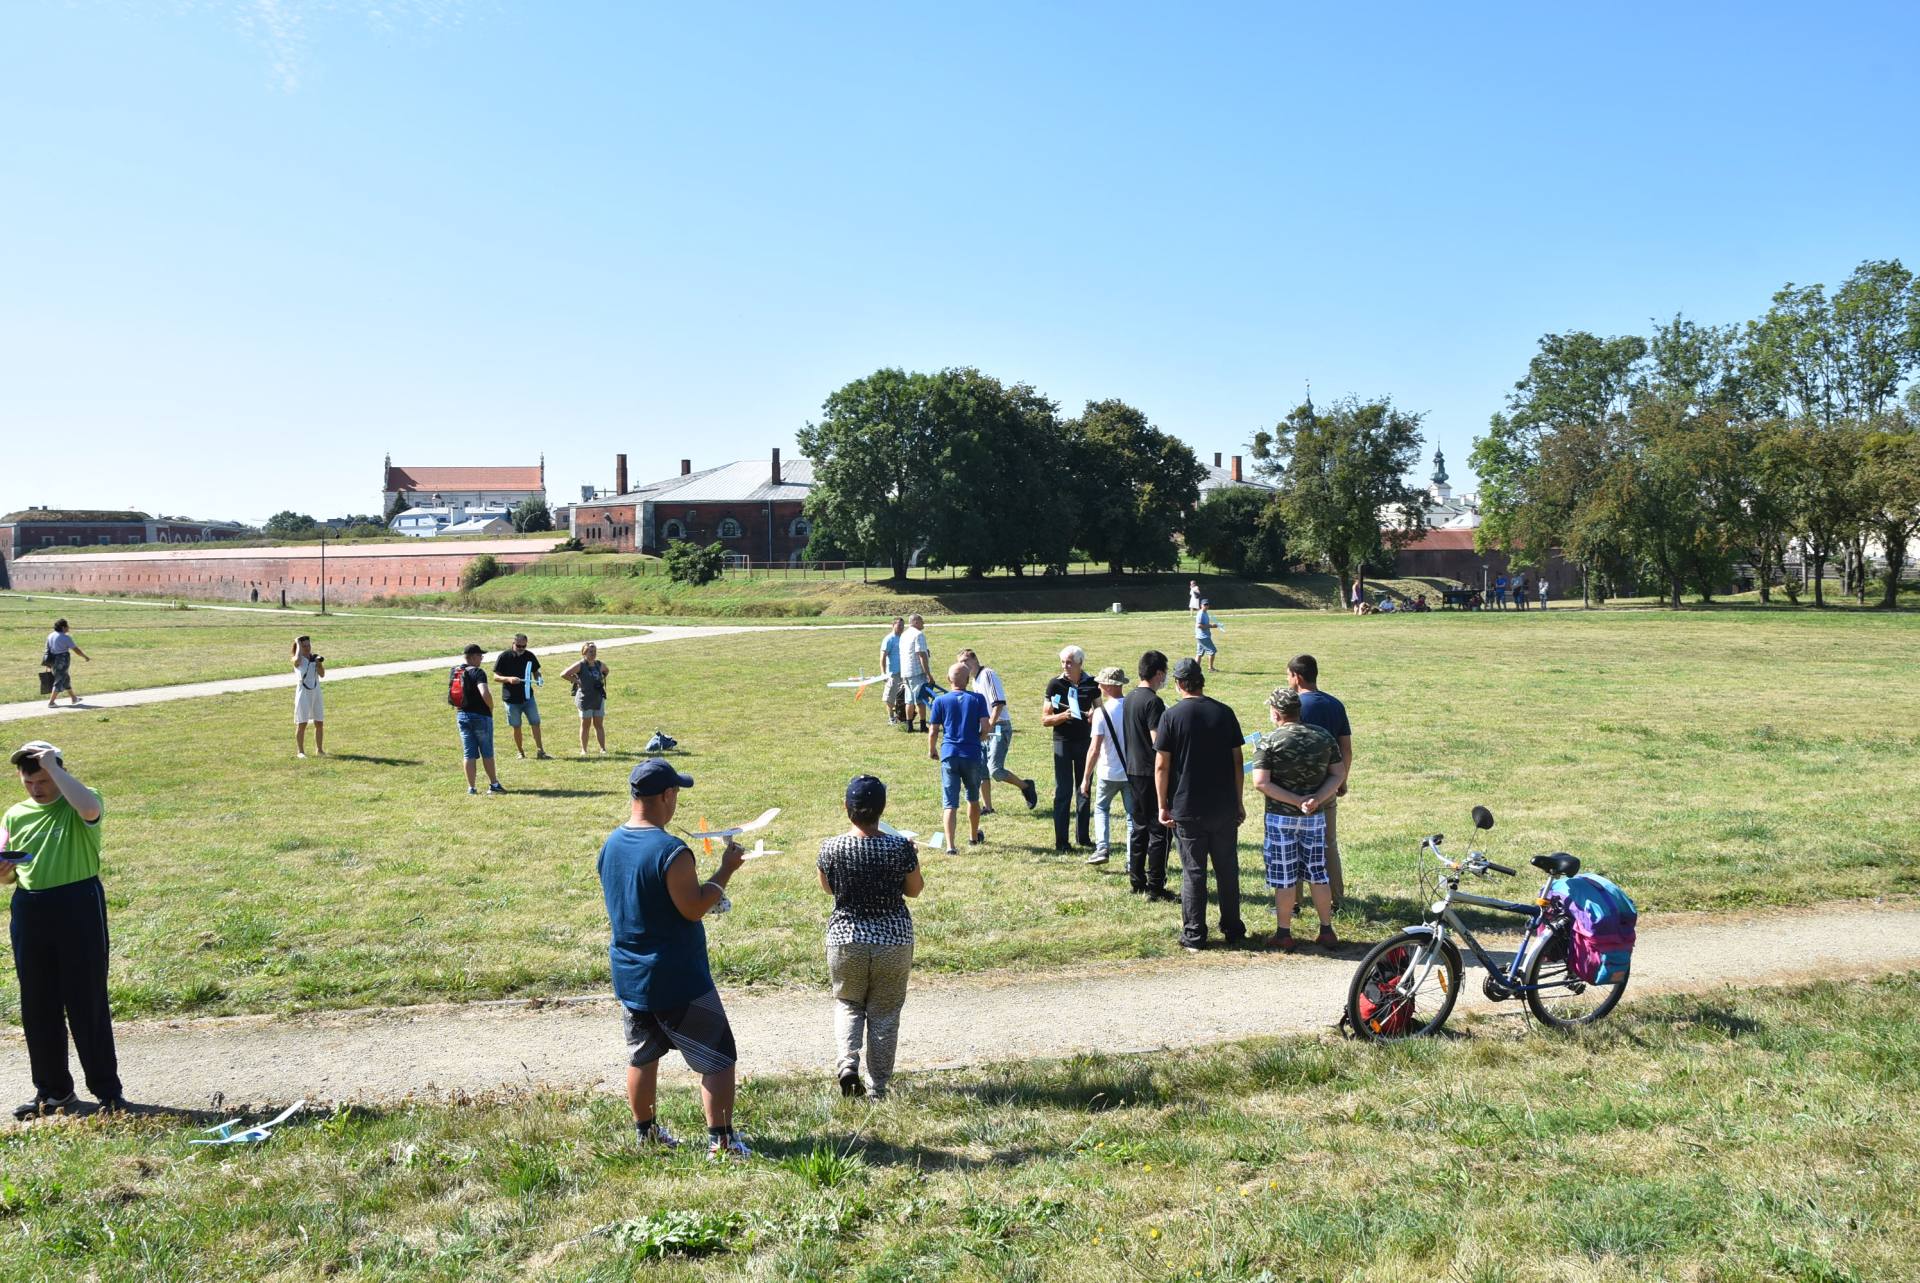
(1405, 987)
(1559, 998)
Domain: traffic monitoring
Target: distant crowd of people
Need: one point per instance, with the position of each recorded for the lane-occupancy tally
(1505, 590)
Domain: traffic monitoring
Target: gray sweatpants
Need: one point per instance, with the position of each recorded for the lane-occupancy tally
(869, 989)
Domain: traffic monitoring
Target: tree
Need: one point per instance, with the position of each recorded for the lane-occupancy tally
(1890, 485)
(291, 525)
(980, 428)
(1239, 529)
(479, 571)
(1146, 483)
(531, 515)
(870, 452)
(1817, 471)
(1340, 473)
(689, 563)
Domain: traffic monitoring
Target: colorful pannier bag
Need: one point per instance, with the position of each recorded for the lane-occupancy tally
(1604, 918)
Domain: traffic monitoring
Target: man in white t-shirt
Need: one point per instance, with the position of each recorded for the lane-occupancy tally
(917, 667)
(308, 702)
(986, 684)
(1106, 776)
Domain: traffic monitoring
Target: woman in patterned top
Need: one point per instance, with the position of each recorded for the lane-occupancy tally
(869, 874)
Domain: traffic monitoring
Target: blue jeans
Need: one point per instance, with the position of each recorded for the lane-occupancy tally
(530, 710)
(476, 735)
(1104, 791)
(959, 772)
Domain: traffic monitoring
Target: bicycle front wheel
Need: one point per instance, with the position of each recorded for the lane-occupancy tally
(1559, 998)
(1405, 987)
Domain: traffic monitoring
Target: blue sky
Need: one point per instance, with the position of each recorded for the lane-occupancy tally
(251, 247)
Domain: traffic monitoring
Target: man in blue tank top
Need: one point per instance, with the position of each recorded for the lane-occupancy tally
(655, 903)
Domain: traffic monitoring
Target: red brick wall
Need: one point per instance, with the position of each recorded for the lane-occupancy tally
(701, 521)
(350, 579)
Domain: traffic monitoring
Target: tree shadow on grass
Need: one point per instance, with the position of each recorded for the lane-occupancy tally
(884, 1153)
(1078, 1086)
(557, 792)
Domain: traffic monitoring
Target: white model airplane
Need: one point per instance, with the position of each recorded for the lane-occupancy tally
(759, 849)
(855, 683)
(225, 1135)
(751, 826)
(938, 841)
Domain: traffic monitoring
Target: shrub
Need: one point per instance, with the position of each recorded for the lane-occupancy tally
(479, 571)
(690, 564)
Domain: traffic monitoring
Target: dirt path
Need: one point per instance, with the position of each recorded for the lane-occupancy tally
(1171, 1002)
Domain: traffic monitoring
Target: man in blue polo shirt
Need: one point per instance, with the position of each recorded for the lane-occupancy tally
(1317, 708)
(655, 902)
(956, 731)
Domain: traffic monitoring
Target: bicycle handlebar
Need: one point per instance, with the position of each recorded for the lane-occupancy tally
(1501, 868)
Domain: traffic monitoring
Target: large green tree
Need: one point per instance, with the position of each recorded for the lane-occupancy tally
(1890, 485)
(290, 525)
(1341, 473)
(872, 483)
(1144, 484)
(531, 515)
(1239, 529)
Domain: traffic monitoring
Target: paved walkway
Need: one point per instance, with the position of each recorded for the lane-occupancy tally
(1169, 1002)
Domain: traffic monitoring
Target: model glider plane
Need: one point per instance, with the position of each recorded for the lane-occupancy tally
(224, 1134)
(751, 826)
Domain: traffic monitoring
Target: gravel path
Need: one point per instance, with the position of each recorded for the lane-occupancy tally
(1174, 1002)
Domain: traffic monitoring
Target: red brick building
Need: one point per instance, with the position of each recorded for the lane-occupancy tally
(45, 529)
(753, 508)
(1449, 554)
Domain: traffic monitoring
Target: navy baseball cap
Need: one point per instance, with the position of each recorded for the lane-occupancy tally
(655, 776)
(1185, 670)
(866, 793)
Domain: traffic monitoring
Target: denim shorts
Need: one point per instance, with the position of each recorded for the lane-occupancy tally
(529, 710)
(476, 734)
(997, 746)
(959, 772)
(1204, 646)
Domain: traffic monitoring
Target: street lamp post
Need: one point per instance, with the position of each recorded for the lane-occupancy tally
(323, 574)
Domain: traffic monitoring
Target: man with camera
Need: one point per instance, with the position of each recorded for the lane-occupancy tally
(50, 853)
(309, 705)
(519, 671)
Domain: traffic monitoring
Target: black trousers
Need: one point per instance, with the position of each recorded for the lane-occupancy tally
(1204, 843)
(1069, 768)
(1147, 839)
(60, 954)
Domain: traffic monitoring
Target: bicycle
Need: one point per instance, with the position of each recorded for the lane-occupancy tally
(1390, 995)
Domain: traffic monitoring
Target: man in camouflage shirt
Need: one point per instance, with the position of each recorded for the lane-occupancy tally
(1297, 768)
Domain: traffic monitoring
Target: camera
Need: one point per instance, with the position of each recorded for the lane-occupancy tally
(319, 659)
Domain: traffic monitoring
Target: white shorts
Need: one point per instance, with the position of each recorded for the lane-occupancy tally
(308, 705)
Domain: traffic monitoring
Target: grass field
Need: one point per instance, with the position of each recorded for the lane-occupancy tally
(1707, 761)
(1722, 1138)
(158, 645)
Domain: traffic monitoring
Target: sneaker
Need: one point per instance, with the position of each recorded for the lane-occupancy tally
(1098, 857)
(1282, 941)
(523, 755)
(1160, 895)
(656, 1136)
(45, 1105)
(471, 790)
(1134, 890)
(112, 1105)
(1191, 946)
(1030, 793)
(542, 756)
(495, 787)
(301, 756)
(731, 1147)
(986, 810)
(1326, 939)
(850, 1084)
(977, 839)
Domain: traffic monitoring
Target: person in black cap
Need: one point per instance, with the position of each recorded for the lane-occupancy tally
(655, 901)
(1199, 777)
(869, 874)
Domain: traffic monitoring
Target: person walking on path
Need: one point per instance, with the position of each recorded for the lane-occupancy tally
(655, 902)
(916, 662)
(50, 851)
(1543, 592)
(1105, 772)
(1204, 625)
(1317, 708)
(896, 687)
(1068, 703)
(1200, 781)
(1140, 716)
(309, 703)
(986, 683)
(1298, 769)
(519, 672)
(61, 648)
(869, 874)
(589, 678)
(956, 735)
(469, 693)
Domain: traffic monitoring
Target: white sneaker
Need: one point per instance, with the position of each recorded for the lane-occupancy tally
(659, 1138)
(730, 1148)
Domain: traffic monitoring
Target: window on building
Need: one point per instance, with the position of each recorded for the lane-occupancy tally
(800, 528)
(105, 539)
(729, 528)
(46, 540)
(673, 530)
(74, 540)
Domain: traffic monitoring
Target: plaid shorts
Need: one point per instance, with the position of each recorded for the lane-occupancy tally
(1293, 840)
(698, 1031)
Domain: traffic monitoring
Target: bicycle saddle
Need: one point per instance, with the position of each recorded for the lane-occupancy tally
(1559, 864)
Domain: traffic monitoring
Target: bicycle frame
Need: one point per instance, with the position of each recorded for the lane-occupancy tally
(1442, 922)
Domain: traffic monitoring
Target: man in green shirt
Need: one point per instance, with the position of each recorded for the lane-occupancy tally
(50, 850)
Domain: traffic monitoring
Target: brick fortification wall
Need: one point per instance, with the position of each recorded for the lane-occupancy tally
(353, 575)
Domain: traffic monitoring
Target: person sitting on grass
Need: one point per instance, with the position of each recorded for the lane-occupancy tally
(1297, 768)
(956, 731)
(655, 902)
(589, 678)
(869, 874)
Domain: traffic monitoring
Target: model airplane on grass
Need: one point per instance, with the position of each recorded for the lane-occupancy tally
(223, 1134)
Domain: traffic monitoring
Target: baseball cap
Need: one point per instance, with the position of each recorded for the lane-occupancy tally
(1286, 699)
(1186, 669)
(655, 776)
(866, 793)
(33, 748)
(1112, 675)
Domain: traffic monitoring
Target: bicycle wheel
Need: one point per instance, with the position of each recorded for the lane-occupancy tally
(1559, 998)
(1405, 987)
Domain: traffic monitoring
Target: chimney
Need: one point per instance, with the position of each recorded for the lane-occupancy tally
(1216, 459)
(619, 474)
(1236, 467)
(686, 467)
(776, 465)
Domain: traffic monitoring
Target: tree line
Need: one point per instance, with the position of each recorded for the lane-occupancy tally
(1673, 458)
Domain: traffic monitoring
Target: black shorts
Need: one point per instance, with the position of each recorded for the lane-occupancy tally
(698, 1031)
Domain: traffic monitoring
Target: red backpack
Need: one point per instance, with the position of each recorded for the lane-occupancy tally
(1385, 1014)
(457, 688)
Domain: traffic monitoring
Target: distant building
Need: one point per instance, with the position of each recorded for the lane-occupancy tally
(37, 528)
(753, 507)
(1231, 477)
(454, 519)
(464, 487)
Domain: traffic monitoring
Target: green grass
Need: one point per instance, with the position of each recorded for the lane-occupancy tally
(133, 646)
(1723, 1138)
(1707, 761)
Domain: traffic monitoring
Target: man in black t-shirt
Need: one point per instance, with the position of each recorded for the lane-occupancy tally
(1140, 717)
(518, 668)
(475, 718)
(1200, 781)
(1069, 703)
